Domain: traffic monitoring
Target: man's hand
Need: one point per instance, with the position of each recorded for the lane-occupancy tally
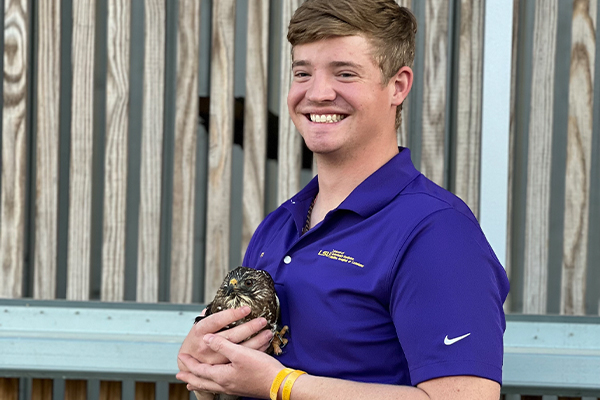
(195, 346)
(248, 372)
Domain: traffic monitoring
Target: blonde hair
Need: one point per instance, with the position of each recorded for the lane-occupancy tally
(391, 30)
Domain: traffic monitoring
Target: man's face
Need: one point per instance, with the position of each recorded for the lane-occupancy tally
(337, 100)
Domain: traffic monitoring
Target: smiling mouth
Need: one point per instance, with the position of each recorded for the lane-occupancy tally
(325, 118)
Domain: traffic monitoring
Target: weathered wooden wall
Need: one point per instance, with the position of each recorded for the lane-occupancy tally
(555, 177)
(115, 188)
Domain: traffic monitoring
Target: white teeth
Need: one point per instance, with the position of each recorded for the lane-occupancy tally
(326, 118)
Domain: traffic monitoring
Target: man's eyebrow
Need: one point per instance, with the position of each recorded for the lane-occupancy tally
(301, 63)
(341, 64)
(333, 64)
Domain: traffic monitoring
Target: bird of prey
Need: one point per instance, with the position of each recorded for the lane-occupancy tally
(245, 286)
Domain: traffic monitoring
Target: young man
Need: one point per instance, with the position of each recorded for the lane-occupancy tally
(386, 281)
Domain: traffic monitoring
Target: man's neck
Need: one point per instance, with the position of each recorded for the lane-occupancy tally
(339, 177)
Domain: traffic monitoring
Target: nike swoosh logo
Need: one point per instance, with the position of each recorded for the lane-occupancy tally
(448, 342)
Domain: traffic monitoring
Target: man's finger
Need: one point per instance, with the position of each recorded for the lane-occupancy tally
(217, 321)
(198, 384)
(259, 342)
(221, 345)
(242, 332)
(199, 375)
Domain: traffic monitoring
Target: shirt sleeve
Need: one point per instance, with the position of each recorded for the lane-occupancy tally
(447, 292)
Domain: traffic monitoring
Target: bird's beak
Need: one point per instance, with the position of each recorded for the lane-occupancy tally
(231, 287)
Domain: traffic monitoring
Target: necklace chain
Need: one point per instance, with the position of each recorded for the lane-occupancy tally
(309, 215)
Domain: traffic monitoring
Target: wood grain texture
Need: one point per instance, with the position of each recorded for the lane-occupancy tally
(404, 3)
(110, 390)
(469, 107)
(47, 115)
(220, 141)
(579, 157)
(145, 390)
(184, 174)
(80, 180)
(178, 391)
(115, 162)
(75, 390)
(290, 142)
(9, 388)
(511, 146)
(434, 91)
(41, 389)
(255, 119)
(152, 148)
(403, 131)
(539, 158)
(14, 148)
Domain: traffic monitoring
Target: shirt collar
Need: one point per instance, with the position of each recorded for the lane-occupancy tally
(299, 204)
(382, 186)
(370, 196)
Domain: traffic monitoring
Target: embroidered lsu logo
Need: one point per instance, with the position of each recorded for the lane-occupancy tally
(339, 256)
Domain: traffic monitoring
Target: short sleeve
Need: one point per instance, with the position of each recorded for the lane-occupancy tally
(447, 293)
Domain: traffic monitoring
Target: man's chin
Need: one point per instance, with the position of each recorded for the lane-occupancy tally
(324, 151)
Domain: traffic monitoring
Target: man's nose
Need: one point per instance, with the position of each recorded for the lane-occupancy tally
(321, 89)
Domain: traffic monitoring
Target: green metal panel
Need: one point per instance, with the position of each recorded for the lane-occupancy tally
(543, 354)
(92, 340)
(557, 355)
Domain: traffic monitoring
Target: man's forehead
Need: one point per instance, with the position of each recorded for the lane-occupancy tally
(335, 55)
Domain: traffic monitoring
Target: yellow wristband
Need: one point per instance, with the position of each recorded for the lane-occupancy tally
(277, 381)
(289, 382)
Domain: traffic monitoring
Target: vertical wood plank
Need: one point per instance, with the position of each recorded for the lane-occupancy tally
(290, 142)
(110, 390)
(82, 115)
(184, 175)
(41, 389)
(539, 158)
(115, 175)
(75, 390)
(145, 390)
(9, 388)
(469, 107)
(47, 115)
(579, 157)
(434, 90)
(14, 148)
(220, 138)
(403, 131)
(255, 119)
(511, 155)
(178, 391)
(152, 147)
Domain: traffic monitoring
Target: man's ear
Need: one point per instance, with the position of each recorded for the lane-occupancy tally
(402, 84)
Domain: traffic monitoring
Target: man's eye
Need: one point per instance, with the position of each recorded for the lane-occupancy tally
(300, 74)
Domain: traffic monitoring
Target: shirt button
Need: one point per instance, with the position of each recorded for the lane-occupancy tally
(287, 259)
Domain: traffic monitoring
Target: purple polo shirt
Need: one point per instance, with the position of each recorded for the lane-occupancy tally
(397, 285)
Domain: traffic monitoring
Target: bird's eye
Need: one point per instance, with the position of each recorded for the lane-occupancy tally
(249, 282)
